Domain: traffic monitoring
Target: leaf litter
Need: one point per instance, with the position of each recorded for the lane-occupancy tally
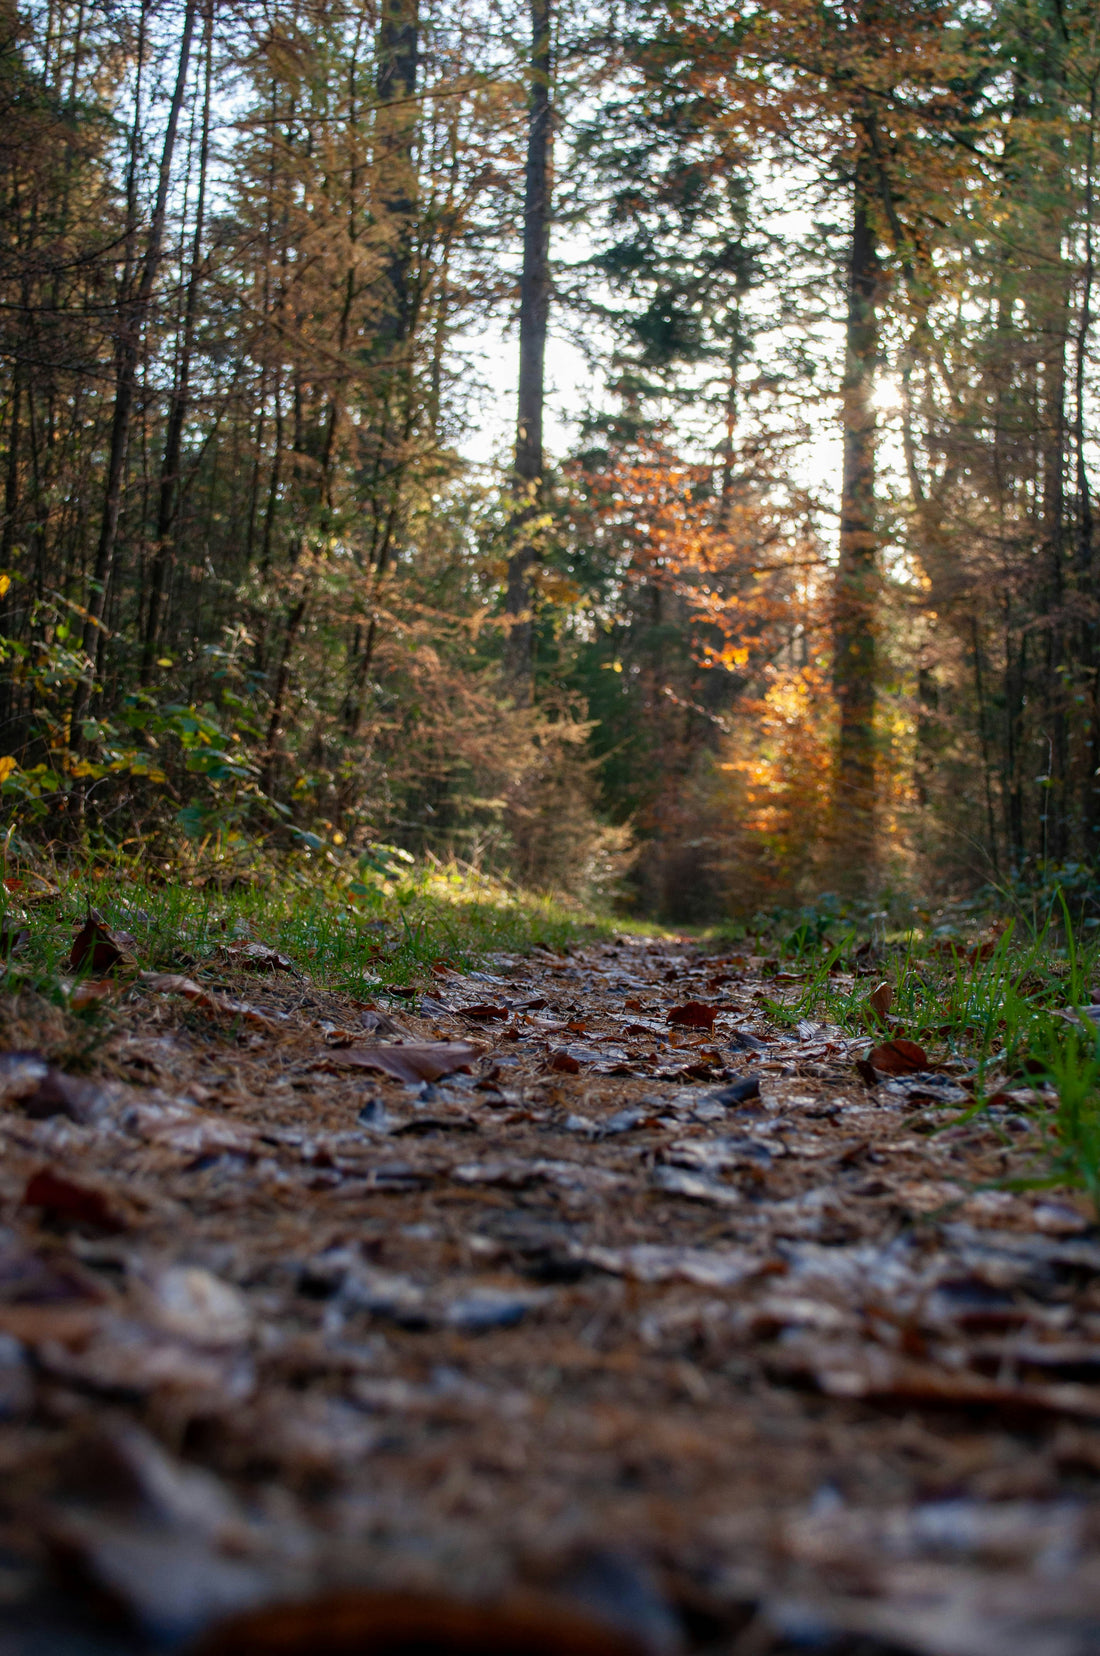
(684, 1334)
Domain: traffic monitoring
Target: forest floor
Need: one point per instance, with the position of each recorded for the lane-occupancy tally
(532, 1312)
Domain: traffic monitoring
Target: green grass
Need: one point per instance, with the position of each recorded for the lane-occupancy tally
(369, 925)
(345, 928)
(1000, 1013)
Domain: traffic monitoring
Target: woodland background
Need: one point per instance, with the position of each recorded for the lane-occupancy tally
(252, 585)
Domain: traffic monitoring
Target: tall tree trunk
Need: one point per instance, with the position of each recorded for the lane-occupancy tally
(396, 120)
(856, 583)
(1085, 561)
(133, 314)
(534, 313)
(7, 542)
(177, 412)
(398, 51)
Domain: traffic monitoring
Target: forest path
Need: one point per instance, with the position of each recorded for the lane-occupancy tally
(575, 1331)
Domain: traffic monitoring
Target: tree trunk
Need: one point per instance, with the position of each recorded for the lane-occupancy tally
(1086, 574)
(856, 584)
(177, 412)
(133, 313)
(534, 312)
(395, 136)
(398, 49)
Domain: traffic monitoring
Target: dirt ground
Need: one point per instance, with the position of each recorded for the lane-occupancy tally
(581, 1346)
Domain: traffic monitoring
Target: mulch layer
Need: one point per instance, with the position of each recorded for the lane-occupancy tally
(567, 1306)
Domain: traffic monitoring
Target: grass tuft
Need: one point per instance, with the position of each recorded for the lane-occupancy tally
(352, 930)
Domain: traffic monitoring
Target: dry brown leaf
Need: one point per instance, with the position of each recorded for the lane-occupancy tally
(29, 1278)
(98, 949)
(14, 938)
(899, 1057)
(694, 1015)
(869, 1371)
(92, 992)
(400, 1624)
(43, 1091)
(171, 983)
(31, 889)
(427, 1061)
(257, 957)
(881, 999)
(66, 1198)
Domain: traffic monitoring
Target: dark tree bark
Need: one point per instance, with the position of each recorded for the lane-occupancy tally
(1085, 561)
(168, 492)
(133, 313)
(856, 583)
(395, 84)
(534, 312)
(398, 53)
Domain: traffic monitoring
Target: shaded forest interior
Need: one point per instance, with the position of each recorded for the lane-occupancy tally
(807, 600)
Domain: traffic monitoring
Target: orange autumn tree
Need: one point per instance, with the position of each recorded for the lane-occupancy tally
(873, 101)
(702, 613)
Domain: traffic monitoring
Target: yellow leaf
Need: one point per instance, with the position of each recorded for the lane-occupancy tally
(7, 763)
(5, 584)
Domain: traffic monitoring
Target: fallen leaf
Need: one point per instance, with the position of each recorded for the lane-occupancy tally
(486, 1309)
(899, 1057)
(257, 957)
(741, 1041)
(869, 1371)
(14, 938)
(100, 950)
(622, 1121)
(128, 1356)
(483, 1011)
(412, 1625)
(193, 1304)
(378, 1023)
(654, 1262)
(92, 992)
(881, 999)
(564, 1062)
(738, 1092)
(171, 983)
(425, 1062)
(693, 1015)
(33, 889)
(676, 1181)
(42, 1090)
(65, 1198)
(29, 1278)
(191, 1132)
